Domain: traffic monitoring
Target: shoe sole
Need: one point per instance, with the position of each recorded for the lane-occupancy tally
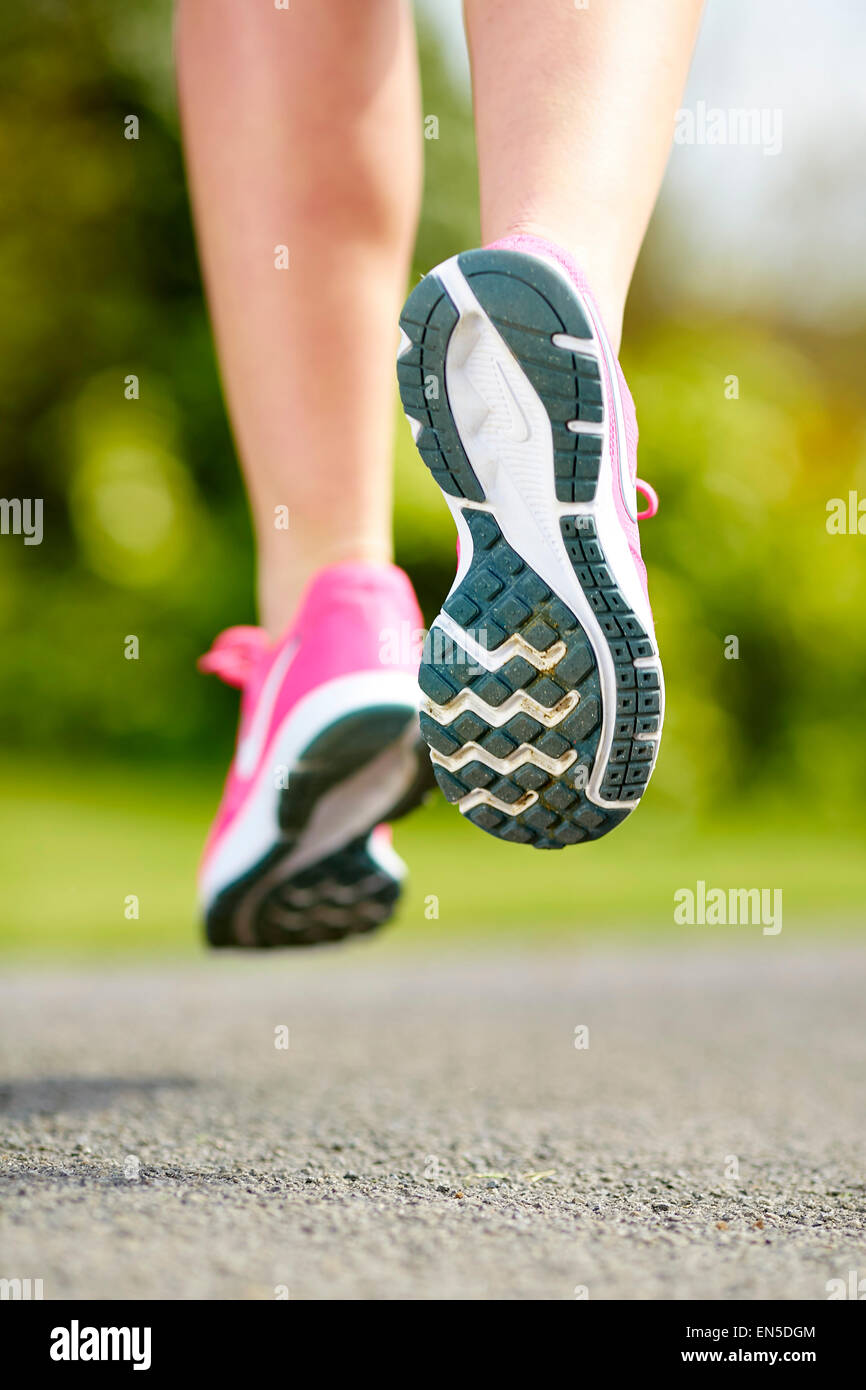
(543, 690)
(296, 896)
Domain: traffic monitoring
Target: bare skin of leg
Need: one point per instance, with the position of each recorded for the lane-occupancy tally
(574, 116)
(302, 129)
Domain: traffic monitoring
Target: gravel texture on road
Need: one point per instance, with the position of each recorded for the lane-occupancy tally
(438, 1127)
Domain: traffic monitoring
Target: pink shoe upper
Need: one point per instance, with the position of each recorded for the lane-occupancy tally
(538, 246)
(353, 618)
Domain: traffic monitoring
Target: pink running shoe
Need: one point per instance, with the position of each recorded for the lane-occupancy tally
(543, 687)
(328, 750)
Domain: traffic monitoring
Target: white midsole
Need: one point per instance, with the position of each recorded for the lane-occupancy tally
(345, 813)
(487, 391)
(340, 815)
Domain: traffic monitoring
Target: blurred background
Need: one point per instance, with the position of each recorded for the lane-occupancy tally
(745, 347)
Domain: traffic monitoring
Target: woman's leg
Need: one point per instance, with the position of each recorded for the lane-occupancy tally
(302, 129)
(574, 114)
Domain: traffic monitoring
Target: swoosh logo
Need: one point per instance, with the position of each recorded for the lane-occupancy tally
(251, 745)
(519, 430)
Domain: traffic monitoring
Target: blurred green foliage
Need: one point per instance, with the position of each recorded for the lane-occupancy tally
(109, 831)
(146, 529)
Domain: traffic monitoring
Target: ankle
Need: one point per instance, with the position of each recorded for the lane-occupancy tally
(282, 581)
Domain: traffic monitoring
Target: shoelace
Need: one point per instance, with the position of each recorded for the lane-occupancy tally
(235, 654)
(652, 498)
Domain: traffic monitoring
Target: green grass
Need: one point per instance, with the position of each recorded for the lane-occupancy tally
(78, 841)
